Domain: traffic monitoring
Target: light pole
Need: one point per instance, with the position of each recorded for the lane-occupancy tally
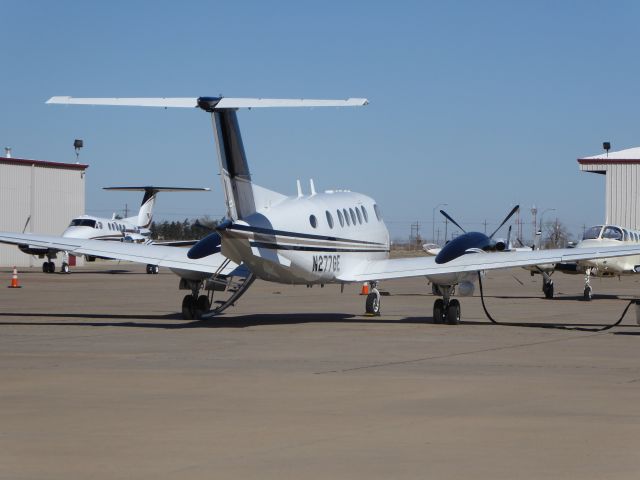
(541, 217)
(433, 220)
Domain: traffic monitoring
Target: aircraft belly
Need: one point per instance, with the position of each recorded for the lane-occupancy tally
(452, 278)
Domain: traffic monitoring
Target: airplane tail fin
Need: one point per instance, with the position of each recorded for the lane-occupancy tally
(145, 214)
(242, 197)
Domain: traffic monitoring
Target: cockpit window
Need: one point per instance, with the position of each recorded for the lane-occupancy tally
(612, 233)
(82, 222)
(592, 233)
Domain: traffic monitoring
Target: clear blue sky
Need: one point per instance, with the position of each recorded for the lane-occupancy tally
(476, 104)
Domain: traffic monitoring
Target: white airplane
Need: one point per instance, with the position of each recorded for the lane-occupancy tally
(603, 236)
(133, 229)
(335, 236)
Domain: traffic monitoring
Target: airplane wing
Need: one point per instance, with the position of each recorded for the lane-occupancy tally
(161, 255)
(425, 266)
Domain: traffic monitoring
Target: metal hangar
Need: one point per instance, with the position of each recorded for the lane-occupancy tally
(39, 197)
(622, 191)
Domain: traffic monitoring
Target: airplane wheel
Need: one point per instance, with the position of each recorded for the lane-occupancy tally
(188, 309)
(149, 271)
(586, 295)
(45, 267)
(438, 311)
(547, 289)
(64, 268)
(155, 269)
(202, 306)
(453, 312)
(372, 305)
(52, 267)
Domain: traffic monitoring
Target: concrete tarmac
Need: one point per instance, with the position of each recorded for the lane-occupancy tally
(101, 379)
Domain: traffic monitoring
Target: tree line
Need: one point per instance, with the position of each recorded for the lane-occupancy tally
(188, 229)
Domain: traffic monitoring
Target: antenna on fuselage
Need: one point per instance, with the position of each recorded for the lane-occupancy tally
(313, 187)
(299, 189)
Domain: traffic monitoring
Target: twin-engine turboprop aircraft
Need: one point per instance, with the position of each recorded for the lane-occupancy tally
(336, 236)
(603, 236)
(133, 229)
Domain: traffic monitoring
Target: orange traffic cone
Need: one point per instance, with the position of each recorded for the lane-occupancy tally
(365, 289)
(14, 279)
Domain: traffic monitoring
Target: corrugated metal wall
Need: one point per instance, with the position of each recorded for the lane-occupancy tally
(622, 195)
(50, 196)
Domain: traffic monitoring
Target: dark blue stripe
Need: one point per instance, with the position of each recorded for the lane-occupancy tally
(275, 246)
(282, 233)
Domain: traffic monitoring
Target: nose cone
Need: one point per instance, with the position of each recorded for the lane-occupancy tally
(78, 232)
(459, 246)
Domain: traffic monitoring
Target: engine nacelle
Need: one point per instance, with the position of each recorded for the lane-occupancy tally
(501, 245)
(466, 289)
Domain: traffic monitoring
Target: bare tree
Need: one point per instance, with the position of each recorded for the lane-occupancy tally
(556, 235)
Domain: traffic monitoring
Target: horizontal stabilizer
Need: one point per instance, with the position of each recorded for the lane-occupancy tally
(159, 189)
(128, 102)
(210, 103)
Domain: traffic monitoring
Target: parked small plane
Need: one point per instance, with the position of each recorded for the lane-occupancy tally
(335, 236)
(603, 236)
(133, 229)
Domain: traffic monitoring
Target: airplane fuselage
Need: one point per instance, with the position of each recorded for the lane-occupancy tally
(309, 239)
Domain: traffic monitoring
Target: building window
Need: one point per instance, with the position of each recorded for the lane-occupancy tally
(313, 221)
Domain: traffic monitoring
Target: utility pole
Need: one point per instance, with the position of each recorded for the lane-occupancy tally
(126, 210)
(485, 226)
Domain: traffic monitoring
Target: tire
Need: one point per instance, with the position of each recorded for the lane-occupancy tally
(586, 295)
(547, 288)
(155, 269)
(372, 305)
(438, 311)
(453, 312)
(149, 272)
(64, 268)
(45, 267)
(202, 306)
(188, 309)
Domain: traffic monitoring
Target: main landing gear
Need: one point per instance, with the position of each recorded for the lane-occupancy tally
(197, 305)
(446, 309)
(372, 303)
(48, 267)
(152, 269)
(547, 284)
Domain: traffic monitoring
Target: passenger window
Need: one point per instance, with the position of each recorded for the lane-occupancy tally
(365, 214)
(353, 216)
(313, 221)
(359, 215)
(340, 218)
(346, 216)
(377, 210)
(329, 219)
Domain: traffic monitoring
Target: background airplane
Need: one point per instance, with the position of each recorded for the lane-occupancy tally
(335, 236)
(131, 229)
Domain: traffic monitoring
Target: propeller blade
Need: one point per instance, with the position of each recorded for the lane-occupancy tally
(448, 217)
(514, 210)
(509, 239)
